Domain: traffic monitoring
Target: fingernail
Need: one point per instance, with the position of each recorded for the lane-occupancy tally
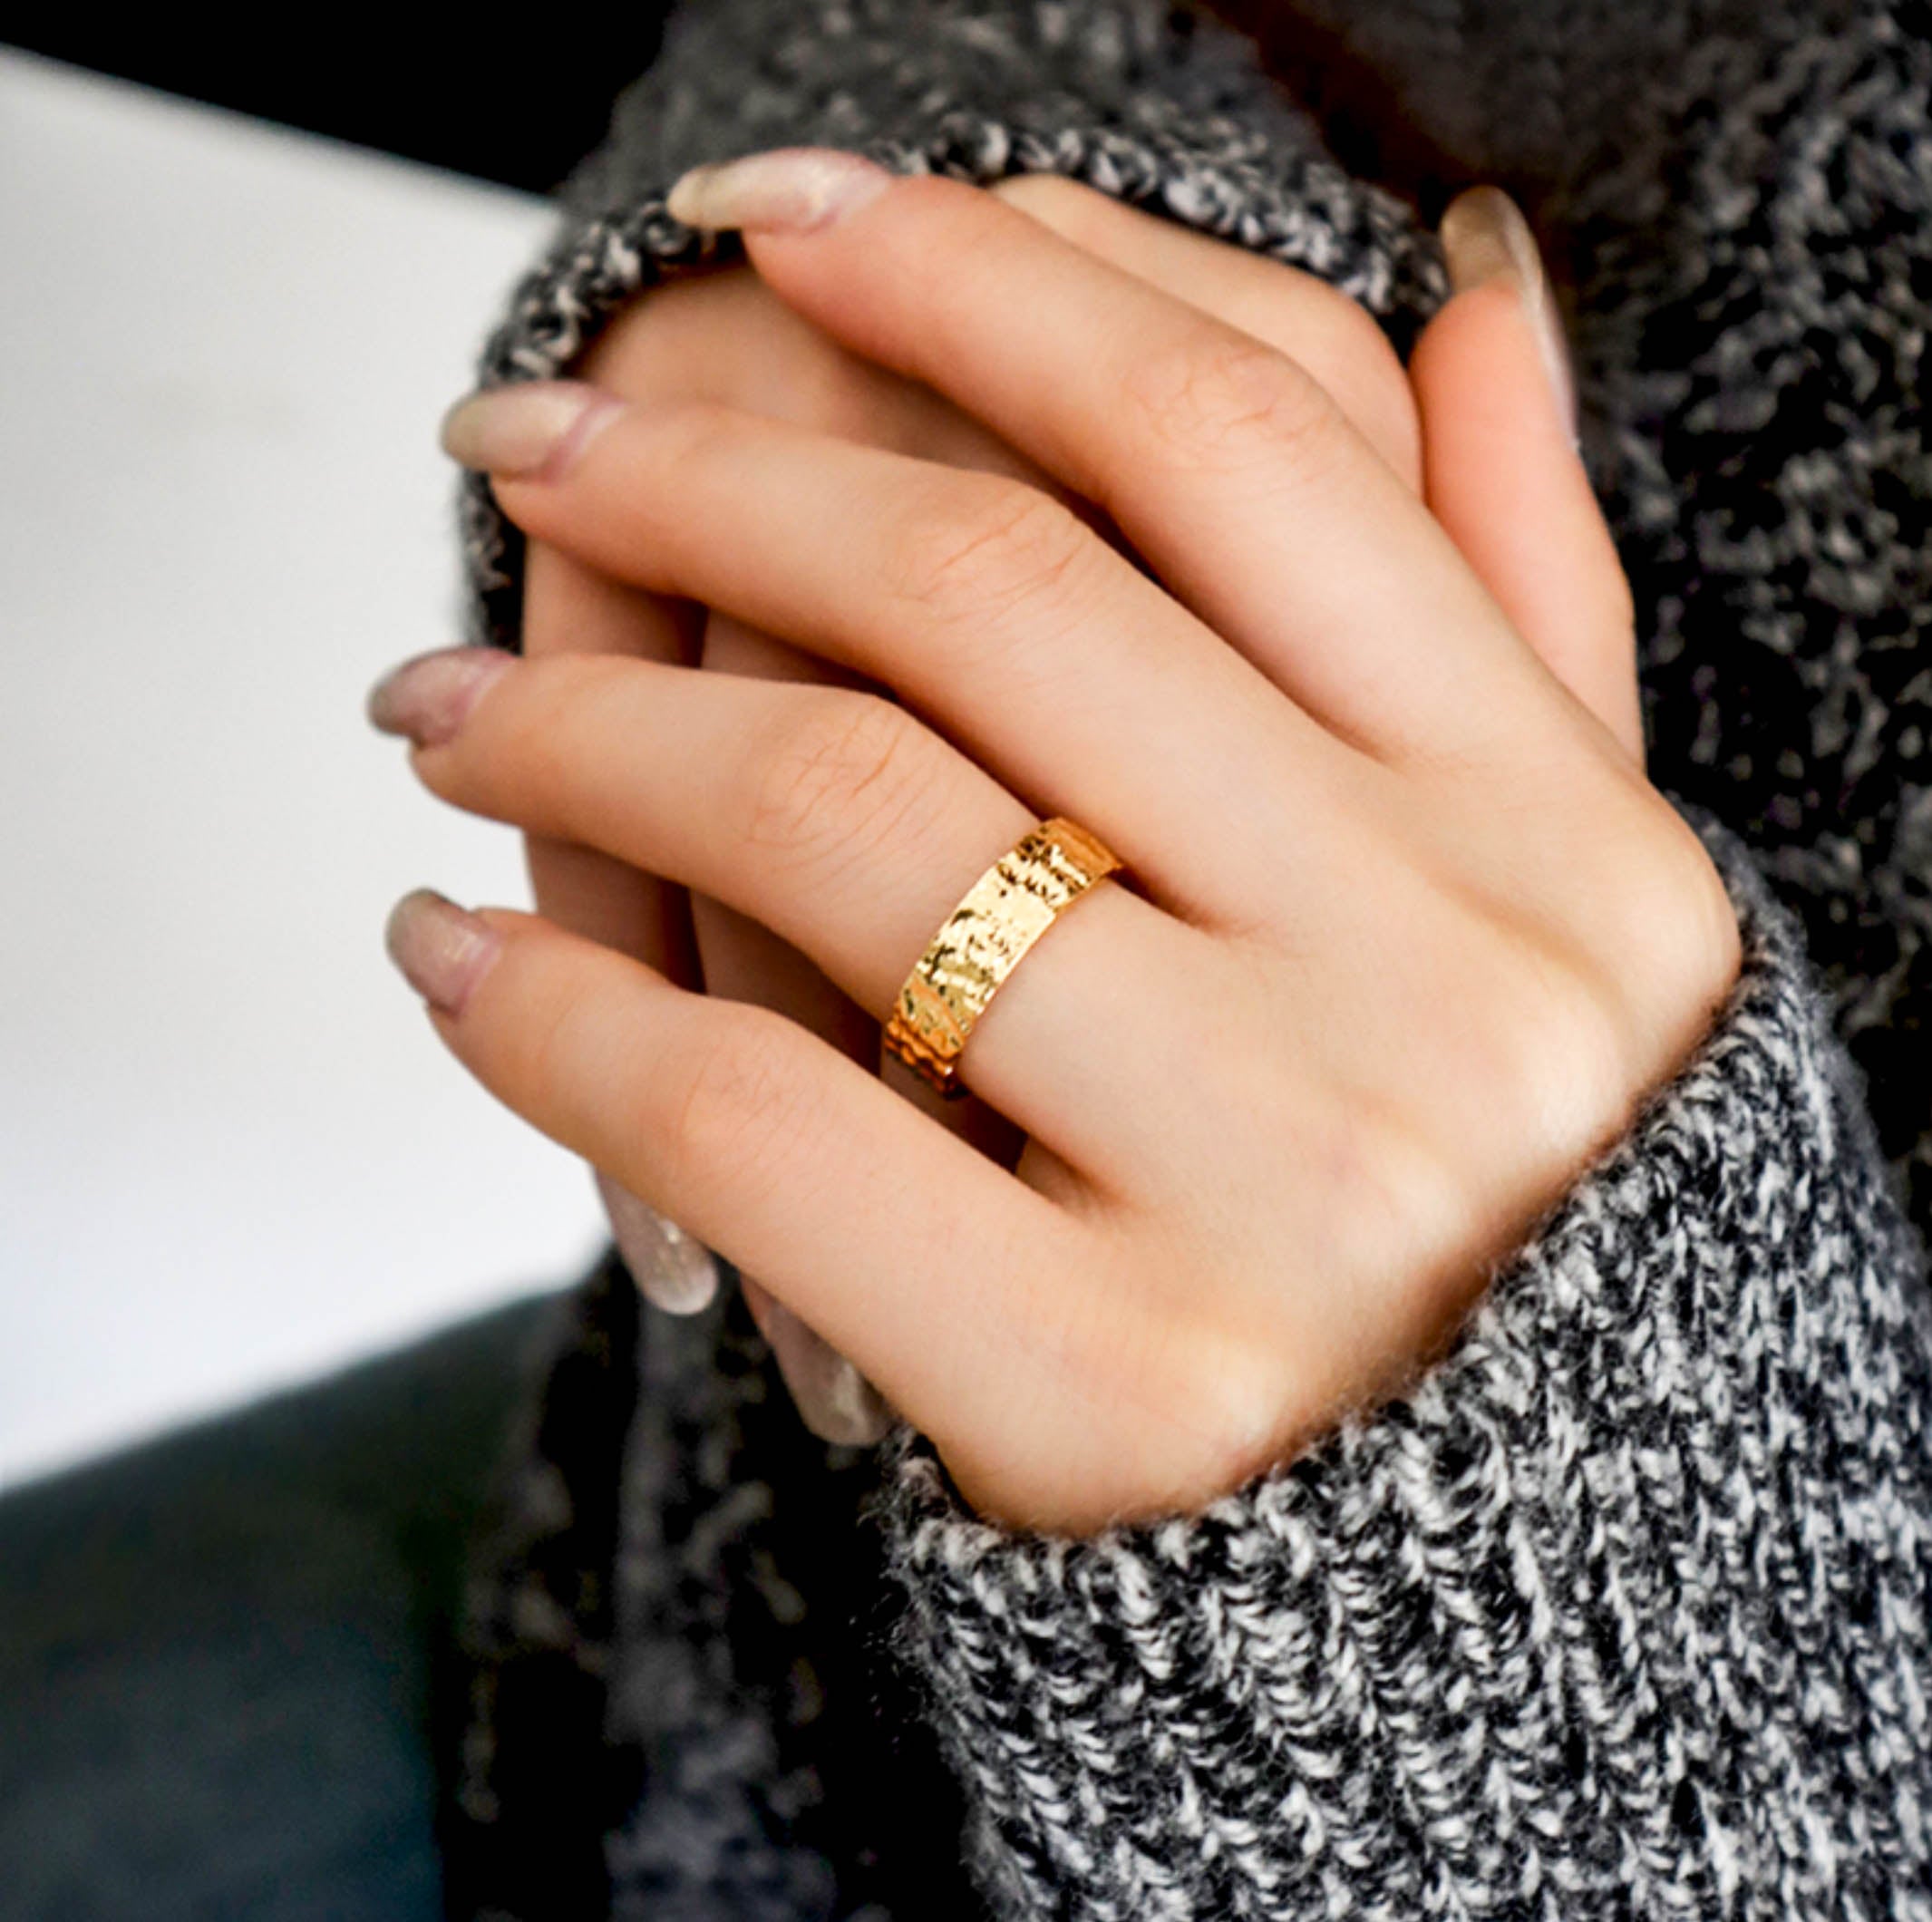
(674, 1271)
(443, 950)
(834, 1400)
(429, 696)
(1485, 237)
(789, 189)
(529, 430)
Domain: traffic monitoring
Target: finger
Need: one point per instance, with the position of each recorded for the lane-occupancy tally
(1028, 642)
(743, 960)
(748, 961)
(567, 608)
(842, 824)
(1501, 470)
(674, 1271)
(724, 337)
(1226, 464)
(909, 1250)
(833, 1397)
(1335, 338)
(571, 609)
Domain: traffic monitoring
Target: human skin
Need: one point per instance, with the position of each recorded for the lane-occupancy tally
(1412, 934)
(727, 337)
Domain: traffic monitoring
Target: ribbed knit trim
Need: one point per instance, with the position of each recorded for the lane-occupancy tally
(1621, 1610)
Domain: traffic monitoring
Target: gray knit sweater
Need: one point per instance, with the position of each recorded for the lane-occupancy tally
(1622, 1611)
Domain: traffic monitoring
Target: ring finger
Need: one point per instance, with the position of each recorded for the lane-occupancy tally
(833, 818)
(744, 961)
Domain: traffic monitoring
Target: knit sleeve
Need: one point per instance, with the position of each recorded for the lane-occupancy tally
(1621, 1611)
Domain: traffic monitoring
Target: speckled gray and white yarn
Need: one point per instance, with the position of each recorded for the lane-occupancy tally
(1622, 1611)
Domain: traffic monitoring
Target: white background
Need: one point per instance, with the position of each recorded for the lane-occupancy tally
(233, 1153)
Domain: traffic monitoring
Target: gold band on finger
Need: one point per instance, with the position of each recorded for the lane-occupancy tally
(980, 943)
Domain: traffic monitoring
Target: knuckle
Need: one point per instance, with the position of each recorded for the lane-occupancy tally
(1691, 947)
(737, 1105)
(988, 547)
(1228, 401)
(1560, 1042)
(1585, 1031)
(1227, 1403)
(843, 771)
(1201, 1397)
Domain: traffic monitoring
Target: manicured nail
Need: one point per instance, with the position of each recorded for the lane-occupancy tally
(429, 696)
(1485, 237)
(789, 189)
(835, 1402)
(673, 1270)
(443, 950)
(529, 430)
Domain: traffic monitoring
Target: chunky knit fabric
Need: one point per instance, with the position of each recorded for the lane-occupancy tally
(1622, 1610)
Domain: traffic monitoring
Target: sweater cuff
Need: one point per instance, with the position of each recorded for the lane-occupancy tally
(1138, 99)
(1641, 1568)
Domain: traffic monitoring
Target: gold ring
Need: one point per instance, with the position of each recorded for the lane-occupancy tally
(980, 943)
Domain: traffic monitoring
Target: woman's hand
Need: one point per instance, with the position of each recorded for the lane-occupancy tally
(725, 336)
(1413, 935)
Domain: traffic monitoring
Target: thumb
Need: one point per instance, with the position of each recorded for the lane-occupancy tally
(1501, 469)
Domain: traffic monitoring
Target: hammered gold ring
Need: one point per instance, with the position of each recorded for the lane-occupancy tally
(978, 945)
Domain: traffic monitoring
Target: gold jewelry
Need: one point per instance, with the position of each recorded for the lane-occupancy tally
(979, 943)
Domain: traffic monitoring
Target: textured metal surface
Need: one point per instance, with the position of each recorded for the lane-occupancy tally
(980, 943)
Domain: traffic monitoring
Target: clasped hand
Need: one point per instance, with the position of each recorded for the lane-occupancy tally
(1031, 504)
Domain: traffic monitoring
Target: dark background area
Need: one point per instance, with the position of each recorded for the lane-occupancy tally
(521, 98)
(520, 101)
